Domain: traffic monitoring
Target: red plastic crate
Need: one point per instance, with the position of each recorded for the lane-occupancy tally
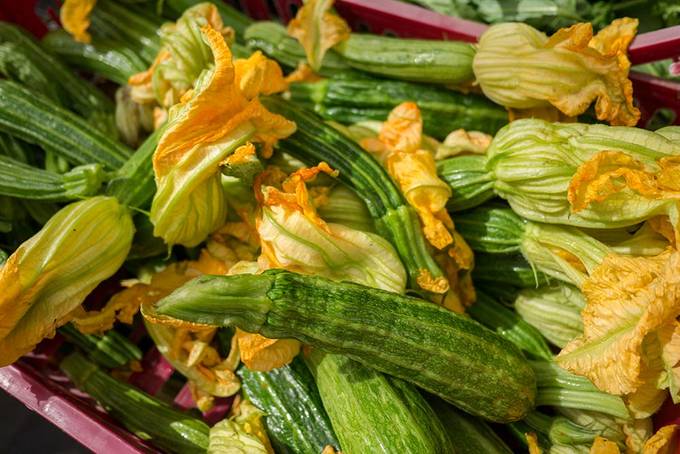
(36, 381)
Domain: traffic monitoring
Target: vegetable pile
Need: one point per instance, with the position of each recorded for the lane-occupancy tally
(360, 243)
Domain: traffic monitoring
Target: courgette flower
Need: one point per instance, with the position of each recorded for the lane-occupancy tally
(50, 275)
(75, 18)
(184, 55)
(631, 342)
(521, 68)
(318, 29)
(244, 433)
(604, 446)
(215, 119)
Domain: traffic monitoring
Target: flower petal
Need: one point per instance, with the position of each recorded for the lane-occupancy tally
(75, 18)
(263, 354)
(664, 441)
(604, 446)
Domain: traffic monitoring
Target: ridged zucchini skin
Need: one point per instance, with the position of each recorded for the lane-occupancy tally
(509, 325)
(418, 60)
(491, 229)
(350, 98)
(27, 182)
(144, 415)
(295, 418)
(231, 17)
(76, 93)
(314, 141)
(273, 39)
(471, 184)
(34, 119)
(468, 435)
(372, 412)
(492, 269)
(110, 59)
(109, 350)
(442, 352)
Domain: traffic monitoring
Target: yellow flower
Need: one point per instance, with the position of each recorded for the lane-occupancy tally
(75, 18)
(630, 339)
(49, 276)
(318, 29)
(521, 68)
(532, 442)
(263, 354)
(218, 117)
(664, 441)
(604, 446)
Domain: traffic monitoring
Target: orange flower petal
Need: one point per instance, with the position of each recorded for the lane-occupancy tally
(75, 18)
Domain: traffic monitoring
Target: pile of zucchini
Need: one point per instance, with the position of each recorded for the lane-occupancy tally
(379, 371)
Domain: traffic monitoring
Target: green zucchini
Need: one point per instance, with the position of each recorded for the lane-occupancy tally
(3, 255)
(41, 212)
(273, 39)
(109, 350)
(508, 324)
(314, 141)
(74, 92)
(514, 270)
(110, 59)
(133, 184)
(16, 65)
(145, 416)
(444, 353)
(471, 184)
(27, 182)
(491, 229)
(418, 60)
(469, 435)
(16, 149)
(351, 98)
(231, 17)
(372, 412)
(295, 417)
(114, 21)
(36, 120)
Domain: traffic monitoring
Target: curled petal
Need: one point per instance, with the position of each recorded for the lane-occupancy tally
(403, 130)
(318, 29)
(664, 441)
(259, 75)
(75, 18)
(263, 354)
(461, 141)
(604, 446)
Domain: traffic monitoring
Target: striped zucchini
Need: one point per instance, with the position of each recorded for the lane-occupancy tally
(509, 325)
(469, 435)
(110, 59)
(295, 417)
(514, 270)
(351, 98)
(109, 350)
(3, 254)
(471, 184)
(492, 229)
(372, 412)
(27, 182)
(418, 60)
(145, 416)
(273, 39)
(314, 141)
(409, 338)
(74, 92)
(231, 17)
(34, 119)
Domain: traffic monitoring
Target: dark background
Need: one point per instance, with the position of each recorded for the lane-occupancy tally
(23, 431)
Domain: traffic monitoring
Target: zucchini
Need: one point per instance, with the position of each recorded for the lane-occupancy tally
(314, 141)
(273, 39)
(145, 416)
(34, 119)
(514, 270)
(295, 417)
(353, 98)
(442, 352)
(133, 184)
(509, 325)
(491, 229)
(469, 435)
(109, 350)
(27, 182)
(231, 17)
(372, 412)
(418, 60)
(74, 92)
(16, 65)
(113, 21)
(471, 184)
(3, 255)
(13, 148)
(110, 59)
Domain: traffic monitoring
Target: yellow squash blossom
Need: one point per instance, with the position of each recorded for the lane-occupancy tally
(630, 338)
(604, 446)
(521, 68)
(263, 354)
(461, 141)
(243, 433)
(215, 119)
(49, 275)
(318, 29)
(664, 441)
(75, 18)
